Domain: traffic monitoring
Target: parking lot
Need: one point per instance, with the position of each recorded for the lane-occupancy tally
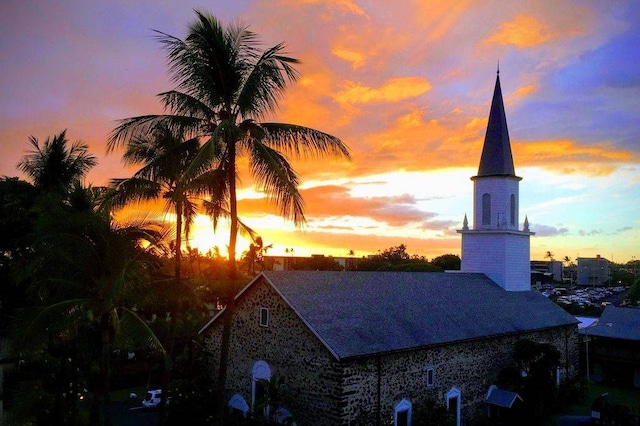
(584, 297)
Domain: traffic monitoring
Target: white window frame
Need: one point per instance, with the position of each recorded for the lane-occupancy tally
(261, 371)
(453, 394)
(263, 317)
(401, 407)
(430, 371)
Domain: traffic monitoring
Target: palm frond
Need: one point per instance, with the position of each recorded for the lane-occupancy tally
(264, 85)
(300, 141)
(279, 181)
(136, 333)
(211, 154)
(186, 104)
(124, 191)
(143, 125)
(215, 209)
(58, 322)
(189, 211)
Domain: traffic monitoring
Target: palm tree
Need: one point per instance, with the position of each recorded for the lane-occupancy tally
(226, 86)
(165, 157)
(54, 165)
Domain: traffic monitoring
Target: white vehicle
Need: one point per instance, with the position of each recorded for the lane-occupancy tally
(152, 398)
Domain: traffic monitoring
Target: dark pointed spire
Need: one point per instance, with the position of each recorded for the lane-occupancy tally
(496, 157)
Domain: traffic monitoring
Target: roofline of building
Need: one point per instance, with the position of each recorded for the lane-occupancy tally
(437, 345)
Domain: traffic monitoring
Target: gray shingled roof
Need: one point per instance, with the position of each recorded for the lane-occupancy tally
(496, 157)
(616, 323)
(362, 313)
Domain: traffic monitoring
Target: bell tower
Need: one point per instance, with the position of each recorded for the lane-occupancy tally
(494, 245)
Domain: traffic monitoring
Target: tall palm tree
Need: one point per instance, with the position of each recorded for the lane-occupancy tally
(226, 86)
(55, 165)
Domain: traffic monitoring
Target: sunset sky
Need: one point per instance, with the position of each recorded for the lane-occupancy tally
(406, 85)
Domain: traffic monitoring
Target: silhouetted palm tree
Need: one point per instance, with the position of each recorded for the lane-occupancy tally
(226, 86)
(54, 165)
(165, 157)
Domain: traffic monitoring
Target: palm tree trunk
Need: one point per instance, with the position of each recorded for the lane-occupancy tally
(178, 248)
(105, 364)
(233, 275)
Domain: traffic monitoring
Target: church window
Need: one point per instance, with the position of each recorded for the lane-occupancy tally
(264, 317)
(238, 407)
(486, 209)
(261, 376)
(453, 404)
(431, 374)
(402, 413)
(513, 210)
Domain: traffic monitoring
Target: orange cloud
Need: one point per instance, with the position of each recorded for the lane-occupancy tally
(357, 59)
(416, 143)
(331, 202)
(342, 5)
(523, 31)
(524, 91)
(594, 160)
(394, 90)
(437, 16)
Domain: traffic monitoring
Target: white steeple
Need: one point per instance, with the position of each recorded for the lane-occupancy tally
(494, 245)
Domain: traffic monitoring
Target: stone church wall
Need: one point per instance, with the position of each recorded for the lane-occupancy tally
(471, 367)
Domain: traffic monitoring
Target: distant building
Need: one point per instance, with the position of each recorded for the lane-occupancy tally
(370, 347)
(288, 263)
(593, 271)
(552, 270)
(612, 346)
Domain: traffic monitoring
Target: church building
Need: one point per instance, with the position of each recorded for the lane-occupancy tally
(367, 348)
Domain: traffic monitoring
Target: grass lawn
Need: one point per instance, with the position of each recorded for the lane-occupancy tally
(123, 394)
(624, 396)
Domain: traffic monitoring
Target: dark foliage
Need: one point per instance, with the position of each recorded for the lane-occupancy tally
(397, 259)
(447, 262)
(533, 377)
(317, 263)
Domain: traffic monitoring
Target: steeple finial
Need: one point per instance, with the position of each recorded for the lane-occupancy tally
(498, 67)
(465, 223)
(526, 224)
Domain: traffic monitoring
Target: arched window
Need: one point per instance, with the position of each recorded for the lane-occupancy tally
(238, 406)
(453, 404)
(513, 210)
(260, 384)
(402, 413)
(486, 209)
